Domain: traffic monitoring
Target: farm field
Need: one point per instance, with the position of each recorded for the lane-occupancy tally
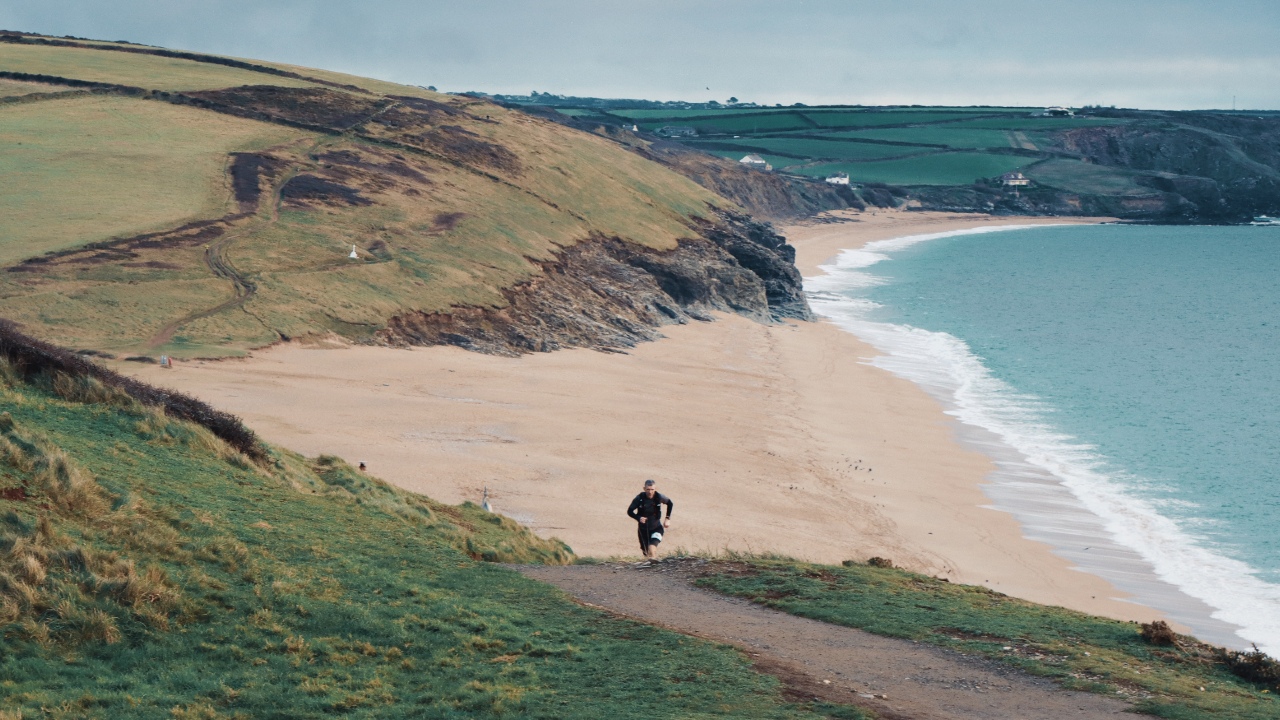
(874, 118)
(952, 168)
(15, 88)
(1037, 124)
(818, 148)
(82, 169)
(1076, 176)
(133, 69)
(945, 134)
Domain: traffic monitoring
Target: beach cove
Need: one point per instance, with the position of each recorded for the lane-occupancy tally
(774, 439)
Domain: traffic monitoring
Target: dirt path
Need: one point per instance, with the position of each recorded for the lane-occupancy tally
(894, 678)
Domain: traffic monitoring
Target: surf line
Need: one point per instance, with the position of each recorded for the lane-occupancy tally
(1058, 488)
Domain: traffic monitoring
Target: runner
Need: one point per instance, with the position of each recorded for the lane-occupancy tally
(646, 510)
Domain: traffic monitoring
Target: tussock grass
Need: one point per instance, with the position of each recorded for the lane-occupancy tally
(1177, 678)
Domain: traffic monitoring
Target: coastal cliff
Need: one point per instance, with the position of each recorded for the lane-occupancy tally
(608, 294)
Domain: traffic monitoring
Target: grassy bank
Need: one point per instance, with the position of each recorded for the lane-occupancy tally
(1183, 680)
(147, 570)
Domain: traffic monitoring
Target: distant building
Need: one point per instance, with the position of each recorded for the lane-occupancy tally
(838, 179)
(1057, 112)
(1014, 179)
(676, 131)
(756, 162)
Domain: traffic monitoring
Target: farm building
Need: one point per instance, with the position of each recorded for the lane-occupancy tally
(676, 131)
(1014, 179)
(1057, 112)
(755, 161)
(838, 179)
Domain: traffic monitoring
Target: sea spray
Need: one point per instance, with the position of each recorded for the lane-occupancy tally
(1085, 502)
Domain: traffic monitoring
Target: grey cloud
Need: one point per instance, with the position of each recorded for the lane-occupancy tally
(1171, 53)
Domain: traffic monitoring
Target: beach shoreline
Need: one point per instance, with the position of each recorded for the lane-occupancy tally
(779, 439)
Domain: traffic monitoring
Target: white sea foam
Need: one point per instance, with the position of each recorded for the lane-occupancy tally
(945, 366)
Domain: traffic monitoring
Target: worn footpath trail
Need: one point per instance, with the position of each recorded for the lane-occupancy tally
(893, 678)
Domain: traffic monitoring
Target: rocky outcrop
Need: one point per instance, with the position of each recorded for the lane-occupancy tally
(609, 294)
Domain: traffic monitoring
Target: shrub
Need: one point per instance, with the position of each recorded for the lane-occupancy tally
(31, 358)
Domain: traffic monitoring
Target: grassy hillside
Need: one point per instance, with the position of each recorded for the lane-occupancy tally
(195, 205)
(85, 169)
(1162, 674)
(149, 570)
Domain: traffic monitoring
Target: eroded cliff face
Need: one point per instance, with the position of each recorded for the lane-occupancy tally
(609, 294)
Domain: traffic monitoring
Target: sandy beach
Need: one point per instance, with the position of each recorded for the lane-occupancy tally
(768, 438)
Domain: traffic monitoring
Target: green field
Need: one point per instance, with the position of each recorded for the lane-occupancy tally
(816, 148)
(1079, 651)
(14, 88)
(955, 168)
(872, 118)
(945, 134)
(150, 571)
(730, 123)
(77, 170)
(1037, 123)
(133, 69)
(1079, 177)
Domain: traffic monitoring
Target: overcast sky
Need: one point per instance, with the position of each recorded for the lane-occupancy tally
(1172, 54)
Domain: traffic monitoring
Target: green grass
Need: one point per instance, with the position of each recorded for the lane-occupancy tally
(732, 123)
(945, 134)
(133, 69)
(1036, 123)
(683, 115)
(953, 168)
(807, 149)
(77, 170)
(871, 118)
(1080, 651)
(149, 572)
(1080, 177)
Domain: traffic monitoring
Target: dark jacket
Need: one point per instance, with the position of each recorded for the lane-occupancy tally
(650, 508)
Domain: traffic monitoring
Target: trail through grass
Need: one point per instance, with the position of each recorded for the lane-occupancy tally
(1078, 650)
(150, 573)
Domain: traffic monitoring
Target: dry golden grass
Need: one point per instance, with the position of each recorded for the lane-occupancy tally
(14, 88)
(78, 170)
(133, 69)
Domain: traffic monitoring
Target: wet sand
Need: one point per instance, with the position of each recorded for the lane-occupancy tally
(768, 438)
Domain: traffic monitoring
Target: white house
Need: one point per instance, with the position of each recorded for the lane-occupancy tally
(1014, 179)
(1057, 111)
(838, 179)
(755, 161)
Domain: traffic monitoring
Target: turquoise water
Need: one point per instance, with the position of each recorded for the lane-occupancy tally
(1137, 366)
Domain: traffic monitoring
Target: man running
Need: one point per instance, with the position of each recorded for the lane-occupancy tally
(646, 510)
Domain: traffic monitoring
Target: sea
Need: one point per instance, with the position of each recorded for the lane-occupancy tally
(1126, 381)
